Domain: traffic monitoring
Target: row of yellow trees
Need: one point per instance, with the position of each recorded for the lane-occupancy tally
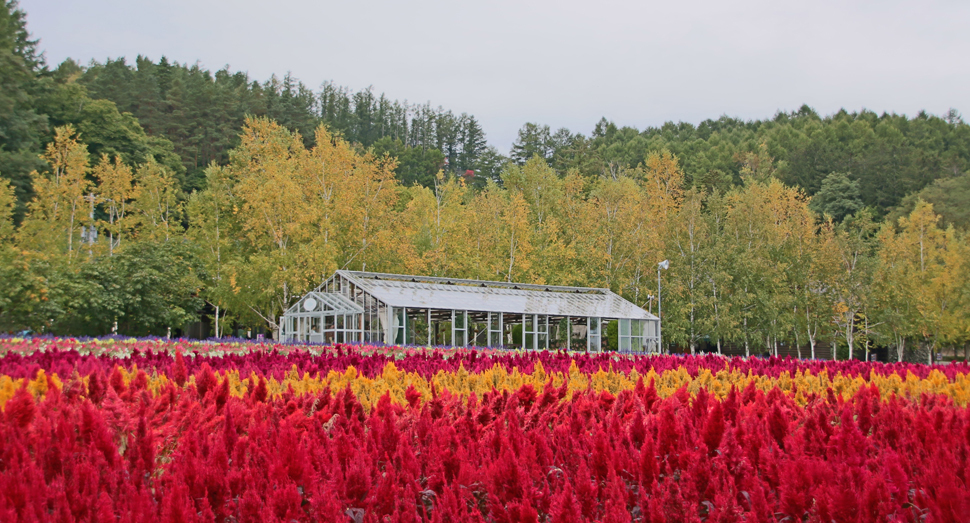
(753, 267)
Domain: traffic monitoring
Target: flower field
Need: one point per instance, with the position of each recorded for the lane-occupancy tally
(156, 430)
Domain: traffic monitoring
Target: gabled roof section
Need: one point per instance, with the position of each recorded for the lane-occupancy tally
(424, 292)
(327, 302)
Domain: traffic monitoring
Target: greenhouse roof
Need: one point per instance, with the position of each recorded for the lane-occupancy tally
(332, 303)
(425, 292)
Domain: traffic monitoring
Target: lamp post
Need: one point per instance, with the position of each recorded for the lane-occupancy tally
(662, 265)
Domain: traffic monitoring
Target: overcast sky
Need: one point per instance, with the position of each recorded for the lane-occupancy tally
(563, 63)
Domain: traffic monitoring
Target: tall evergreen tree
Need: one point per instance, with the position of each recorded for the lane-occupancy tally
(21, 127)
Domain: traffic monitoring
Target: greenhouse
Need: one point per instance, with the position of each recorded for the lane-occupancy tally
(394, 309)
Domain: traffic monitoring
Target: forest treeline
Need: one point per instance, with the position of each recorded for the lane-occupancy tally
(135, 198)
(884, 158)
(187, 117)
(201, 113)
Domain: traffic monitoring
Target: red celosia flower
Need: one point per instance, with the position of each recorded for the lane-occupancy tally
(179, 372)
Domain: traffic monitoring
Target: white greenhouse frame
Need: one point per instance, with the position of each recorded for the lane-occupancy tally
(394, 309)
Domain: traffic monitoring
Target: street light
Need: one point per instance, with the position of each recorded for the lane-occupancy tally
(662, 265)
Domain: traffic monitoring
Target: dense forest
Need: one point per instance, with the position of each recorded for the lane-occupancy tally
(201, 113)
(885, 158)
(136, 198)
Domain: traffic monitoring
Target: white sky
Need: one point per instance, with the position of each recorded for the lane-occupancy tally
(563, 63)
